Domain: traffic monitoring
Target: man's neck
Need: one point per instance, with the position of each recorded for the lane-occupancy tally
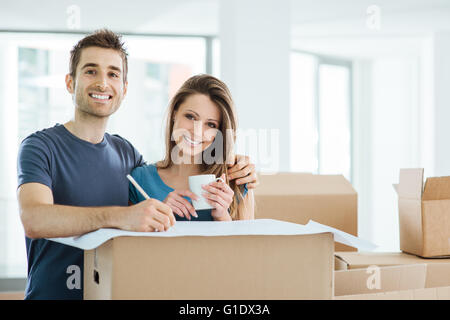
(87, 128)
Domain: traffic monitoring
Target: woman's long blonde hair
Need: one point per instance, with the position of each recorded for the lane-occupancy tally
(219, 93)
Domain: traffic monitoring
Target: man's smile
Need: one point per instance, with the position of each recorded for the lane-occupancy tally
(99, 96)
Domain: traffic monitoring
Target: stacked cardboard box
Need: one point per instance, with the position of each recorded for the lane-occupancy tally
(235, 267)
(300, 197)
(424, 221)
(394, 275)
(288, 266)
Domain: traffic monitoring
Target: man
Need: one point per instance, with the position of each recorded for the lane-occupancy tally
(72, 177)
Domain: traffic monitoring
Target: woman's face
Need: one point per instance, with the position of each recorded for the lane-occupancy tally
(196, 123)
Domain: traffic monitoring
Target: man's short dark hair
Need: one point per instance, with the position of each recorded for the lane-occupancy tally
(103, 38)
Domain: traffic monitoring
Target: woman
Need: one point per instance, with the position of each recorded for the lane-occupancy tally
(200, 135)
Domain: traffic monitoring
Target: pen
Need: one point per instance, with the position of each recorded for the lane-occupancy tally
(138, 187)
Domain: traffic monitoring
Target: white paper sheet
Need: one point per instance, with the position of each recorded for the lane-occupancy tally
(342, 237)
(211, 228)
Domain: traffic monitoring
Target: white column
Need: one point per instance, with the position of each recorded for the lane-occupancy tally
(8, 119)
(426, 110)
(255, 51)
(441, 80)
(362, 145)
(9, 216)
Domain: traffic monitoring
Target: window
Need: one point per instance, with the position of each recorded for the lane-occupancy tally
(320, 115)
(33, 82)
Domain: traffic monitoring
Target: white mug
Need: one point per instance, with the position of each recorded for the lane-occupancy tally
(195, 184)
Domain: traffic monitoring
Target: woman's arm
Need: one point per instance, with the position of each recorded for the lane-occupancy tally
(246, 208)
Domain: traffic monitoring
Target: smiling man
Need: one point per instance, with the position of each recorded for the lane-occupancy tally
(72, 177)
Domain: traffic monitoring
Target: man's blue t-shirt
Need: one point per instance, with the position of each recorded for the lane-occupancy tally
(79, 173)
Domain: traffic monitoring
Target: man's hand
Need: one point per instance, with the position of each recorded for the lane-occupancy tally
(243, 171)
(147, 216)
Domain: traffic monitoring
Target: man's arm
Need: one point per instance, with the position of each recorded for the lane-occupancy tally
(243, 171)
(41, 218)
(246, 207)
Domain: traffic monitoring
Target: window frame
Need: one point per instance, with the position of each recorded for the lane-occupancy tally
(335, 61)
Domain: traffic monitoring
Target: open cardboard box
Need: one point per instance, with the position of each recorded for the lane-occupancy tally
(424, 214)
(211, 267)
(402, 276)
(300, 197)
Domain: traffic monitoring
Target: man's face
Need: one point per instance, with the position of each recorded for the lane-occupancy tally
(98, 87)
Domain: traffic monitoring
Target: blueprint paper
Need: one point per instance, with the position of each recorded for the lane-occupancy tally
(341, 236)
(94, 239)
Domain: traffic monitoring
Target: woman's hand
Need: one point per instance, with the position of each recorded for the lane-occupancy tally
(180, 205)
(220, 196)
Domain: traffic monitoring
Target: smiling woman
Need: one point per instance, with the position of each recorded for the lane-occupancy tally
(196, 123)
(200, 135)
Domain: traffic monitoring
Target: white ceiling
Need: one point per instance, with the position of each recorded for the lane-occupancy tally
(124, 16)
(314, 23)
(309, 18)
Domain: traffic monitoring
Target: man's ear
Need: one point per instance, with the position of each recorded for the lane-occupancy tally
(70, 83)
(125, 88)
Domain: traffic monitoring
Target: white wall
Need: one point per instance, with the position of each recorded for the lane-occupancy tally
(255, 51)
(391, 122)
(10, 225)
(394, 142)
(386, 123)
(441, 93)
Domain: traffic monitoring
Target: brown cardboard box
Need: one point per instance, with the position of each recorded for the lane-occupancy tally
(377, 279)
(442, 293)
(438, 270)
(424, 214)
(211, 267)
(300, 197)
(407, 281)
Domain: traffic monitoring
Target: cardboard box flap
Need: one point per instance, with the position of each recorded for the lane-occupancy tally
(437, 188)
(411, 183)
(356, 260)
(303, 184)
